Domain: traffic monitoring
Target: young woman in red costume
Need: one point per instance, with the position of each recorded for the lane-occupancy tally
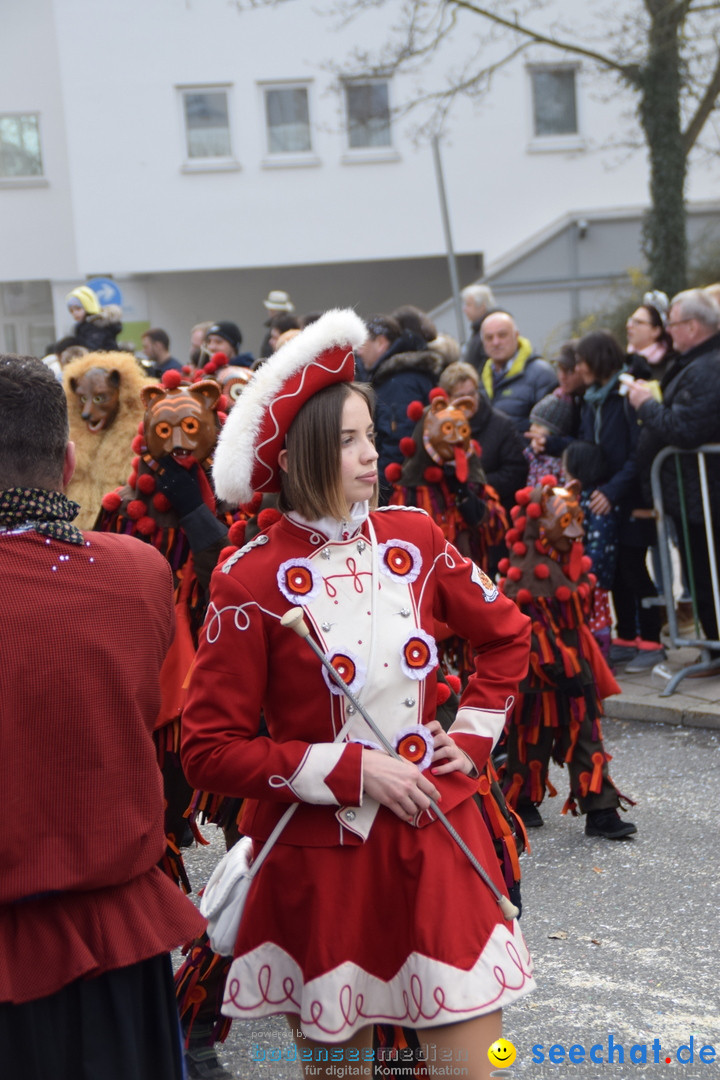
(365, 911)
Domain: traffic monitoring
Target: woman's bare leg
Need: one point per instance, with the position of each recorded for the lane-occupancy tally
(465, 1045)
(328, 1070)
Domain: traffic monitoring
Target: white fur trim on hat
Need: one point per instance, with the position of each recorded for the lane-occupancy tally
(235, 453)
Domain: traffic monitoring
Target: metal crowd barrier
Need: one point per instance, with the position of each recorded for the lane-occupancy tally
(710, 649)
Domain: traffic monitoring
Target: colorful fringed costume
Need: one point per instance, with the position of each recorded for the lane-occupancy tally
(557, 712)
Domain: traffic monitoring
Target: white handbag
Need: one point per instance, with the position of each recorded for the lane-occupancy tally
(225, 894)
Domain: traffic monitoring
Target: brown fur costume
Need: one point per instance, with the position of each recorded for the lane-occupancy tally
(103, 459)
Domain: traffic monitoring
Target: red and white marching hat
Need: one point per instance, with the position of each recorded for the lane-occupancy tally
(246, 458)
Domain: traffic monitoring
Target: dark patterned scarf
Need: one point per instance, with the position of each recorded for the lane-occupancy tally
(46, 512)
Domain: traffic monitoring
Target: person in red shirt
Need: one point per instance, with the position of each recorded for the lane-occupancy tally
(87, 919)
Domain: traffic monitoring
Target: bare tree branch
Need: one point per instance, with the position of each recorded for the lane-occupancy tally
(705, 107)
(630, 72)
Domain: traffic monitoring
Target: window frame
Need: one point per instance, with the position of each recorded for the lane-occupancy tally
(28, 180)
(356, 154)
(554, 142)
(274, 159)
(211, 163)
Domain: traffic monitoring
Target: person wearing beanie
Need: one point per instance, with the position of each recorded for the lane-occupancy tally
(553, 415)
(95, 330)
(226, 337)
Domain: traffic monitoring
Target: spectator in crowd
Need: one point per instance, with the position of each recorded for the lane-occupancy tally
(502, 446)
(477, 301)
(279, 324)
(198, 352)
(401, 368)
(226, 337)
(87, 918)
(277, 302)
(552, 416)
(95, 329)
(156, 346)
(649, 345)
(513, 377)
(609, 422)
(687, 417)
(585, 462)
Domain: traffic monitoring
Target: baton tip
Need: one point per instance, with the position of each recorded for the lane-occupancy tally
(294, 619)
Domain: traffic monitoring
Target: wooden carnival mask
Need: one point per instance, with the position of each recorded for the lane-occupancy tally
(181, 421)
(446, 430)
(98, 393)
(561, 521)
(233, 380)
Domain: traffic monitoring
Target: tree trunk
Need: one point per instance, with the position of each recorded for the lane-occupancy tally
(664, 228)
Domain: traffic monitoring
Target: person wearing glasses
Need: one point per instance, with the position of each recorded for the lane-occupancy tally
(649, 344)
(688, 416)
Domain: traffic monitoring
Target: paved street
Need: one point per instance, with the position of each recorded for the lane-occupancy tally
(624, 934)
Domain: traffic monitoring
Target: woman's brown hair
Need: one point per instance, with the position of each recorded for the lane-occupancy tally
(312, 484)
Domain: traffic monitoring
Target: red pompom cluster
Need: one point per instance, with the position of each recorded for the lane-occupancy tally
(393, 472)
(268, 517)
(222, 403)
(146, 484)
(136, 509)
(549, 480)
(542, 571)
(111, 501)
(217, 360)
(171, 380)
(236, 535)
(433, 474)
(442, 693)
(407, 446)
(454, 683)
(138, 444)
(146, 526)
(534, 510)
(161, 502)
(253, 506)
(522, 497)
(415, 410)
(226, 553)
(563, 593)
(438, 392)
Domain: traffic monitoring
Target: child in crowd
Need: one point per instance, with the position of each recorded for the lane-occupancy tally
(553, 415)
(585, 462)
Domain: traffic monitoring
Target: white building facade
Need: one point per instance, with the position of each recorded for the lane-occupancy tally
(201, 155)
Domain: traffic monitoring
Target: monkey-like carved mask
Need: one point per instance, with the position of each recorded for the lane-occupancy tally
(561, 521)
(98, 393)
(182, 422)
(446, 431)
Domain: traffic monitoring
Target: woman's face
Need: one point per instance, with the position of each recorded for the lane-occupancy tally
(570, 380)
(640, 331)
(584, 372)
(359, 456)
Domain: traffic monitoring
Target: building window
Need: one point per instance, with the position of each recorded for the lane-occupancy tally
(20, 154)
(287, 116)
(207, 123)
(554, 101)
(368, 115)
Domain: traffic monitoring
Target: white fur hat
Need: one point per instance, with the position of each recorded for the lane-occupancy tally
(246, 458)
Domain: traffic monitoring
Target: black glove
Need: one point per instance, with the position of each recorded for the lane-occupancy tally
(180, 485)
(470, 505)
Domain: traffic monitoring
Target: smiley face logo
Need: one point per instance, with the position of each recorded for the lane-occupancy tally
(501, 1053)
